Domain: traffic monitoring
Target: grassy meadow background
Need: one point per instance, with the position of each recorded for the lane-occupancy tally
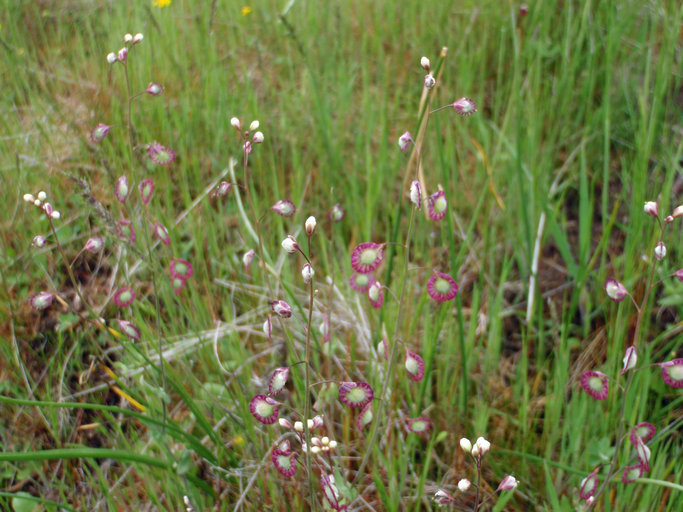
(579, 123)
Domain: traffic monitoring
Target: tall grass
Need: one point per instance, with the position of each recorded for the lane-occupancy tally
(579, 123)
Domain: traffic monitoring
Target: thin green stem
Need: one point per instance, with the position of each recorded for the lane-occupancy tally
(307, 396)
(476, 500)
(148, 244)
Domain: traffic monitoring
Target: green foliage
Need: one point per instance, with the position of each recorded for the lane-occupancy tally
(578, 124)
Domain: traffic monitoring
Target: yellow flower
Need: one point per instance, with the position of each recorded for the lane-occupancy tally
(161, 3)
(246, 10)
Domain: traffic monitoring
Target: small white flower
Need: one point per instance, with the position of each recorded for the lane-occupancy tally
(137, 38)
(430, 81)
(464, 484)
(235, 123)
(466, 445)
(55, 214)
(258, 138)
(42, 195)
(315, 449)
(404, 141)
(508, 483)
(111, 58)
(289, 244)
(651, 208)
(630, 359)
(424, 62)
(253, 126)
(483, 446)
(416, 194)
(37, 202)
(310, 225)
(373, 291)
(660, 251)
(127, 38)
(284, 423)
(298, 426)
(29, 198)
(39, 241)
(307, 273)
(333, 445)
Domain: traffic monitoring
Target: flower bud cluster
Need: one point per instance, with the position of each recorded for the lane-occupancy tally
(40, 201)
(121, 56)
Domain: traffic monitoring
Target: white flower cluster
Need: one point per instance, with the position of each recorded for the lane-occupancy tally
(40, 202)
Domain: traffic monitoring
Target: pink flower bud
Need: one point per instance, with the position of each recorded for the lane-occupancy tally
(162, 234)
(679, 274)
(376, 295)
(678, 212)
(441, 497)
(154, 89)
(41, 300)
(284, 208)
(278, 380)
(257, 138)
(416, 194)
(124, 297)
(94, 245)
(123, 54)
(465, 107)
(508, 483)
(98, 133)
(281, 308)
(290, 245)
(430, 81)
(146, 187)
(268, 328)
(615, 290)
(651, 208)
(307, 273)
(160, 154)
(129, 330)
(630, 359)
(122, 189)
(589, 485)
(247, 258)
(337, 213)
(404, 141)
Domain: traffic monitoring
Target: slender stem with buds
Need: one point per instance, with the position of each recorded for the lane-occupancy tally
(148, 244)
(307, 396)
(257, 219)
(613, 468)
